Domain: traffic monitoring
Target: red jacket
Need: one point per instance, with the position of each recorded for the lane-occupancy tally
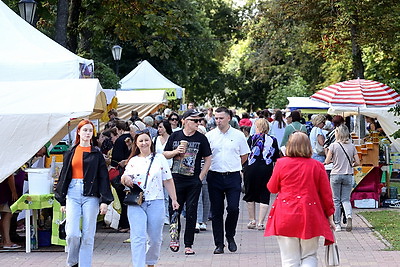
(304, 201)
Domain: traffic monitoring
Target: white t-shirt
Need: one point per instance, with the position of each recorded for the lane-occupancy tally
(137, 168)
(160, 148)
(277, 132)
(315, 131)
(226, 149)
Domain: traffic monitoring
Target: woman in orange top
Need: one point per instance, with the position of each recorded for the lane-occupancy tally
(303, 210)
(82, 190)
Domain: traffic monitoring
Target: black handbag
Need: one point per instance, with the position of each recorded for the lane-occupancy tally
(135, 195)
(61, 230)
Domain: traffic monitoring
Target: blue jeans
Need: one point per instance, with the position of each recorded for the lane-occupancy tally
(80, 242)
(203, 208)
(320, 158)
(219, 187)
(146, 222)
(341, 189)
(166, 203)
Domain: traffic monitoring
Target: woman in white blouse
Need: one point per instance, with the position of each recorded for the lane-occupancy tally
(146, 220)
(164, 131)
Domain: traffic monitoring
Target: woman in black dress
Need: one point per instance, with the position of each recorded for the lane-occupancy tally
(264, 152)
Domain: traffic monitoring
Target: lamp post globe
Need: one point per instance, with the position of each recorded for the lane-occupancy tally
(27, 9)
(116, 52)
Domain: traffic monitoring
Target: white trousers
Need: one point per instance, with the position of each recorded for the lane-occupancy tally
(298, 252)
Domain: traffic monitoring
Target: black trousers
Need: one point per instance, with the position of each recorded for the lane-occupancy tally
(221, 185)
(123, 220)
(187, 192)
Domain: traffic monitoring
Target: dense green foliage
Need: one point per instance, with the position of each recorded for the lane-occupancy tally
(250, 57)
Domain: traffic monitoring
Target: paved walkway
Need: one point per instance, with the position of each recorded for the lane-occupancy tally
(361, 247)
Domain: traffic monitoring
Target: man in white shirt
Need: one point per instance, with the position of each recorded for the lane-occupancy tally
(229, 151)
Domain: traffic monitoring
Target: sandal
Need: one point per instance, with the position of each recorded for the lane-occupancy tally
(174, 245)
(189, 251)
(251, 224)
(260, 227)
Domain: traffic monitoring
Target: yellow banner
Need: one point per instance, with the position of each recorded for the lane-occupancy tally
(171, 93)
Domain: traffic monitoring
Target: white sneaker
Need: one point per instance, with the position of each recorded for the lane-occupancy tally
(338, 228)
(203, 227)
(197, 228)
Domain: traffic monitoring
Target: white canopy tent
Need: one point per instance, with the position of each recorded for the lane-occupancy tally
(27, 54)
(144, 102)
(146, 77)
(33, 112)
(306, 105)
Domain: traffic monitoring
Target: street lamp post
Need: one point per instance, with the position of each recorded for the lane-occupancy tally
(116, 52)
(27, 9)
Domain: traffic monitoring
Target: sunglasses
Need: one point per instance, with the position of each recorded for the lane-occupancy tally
(142, 131)
(195, 120)
(174, 119)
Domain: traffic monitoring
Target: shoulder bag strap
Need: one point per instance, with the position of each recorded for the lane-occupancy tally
(148, 170)
(347, 156)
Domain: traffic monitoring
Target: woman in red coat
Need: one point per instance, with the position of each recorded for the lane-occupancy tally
(303, 210)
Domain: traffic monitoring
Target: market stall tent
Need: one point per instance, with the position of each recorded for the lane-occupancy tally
(144, 102)
(27, 54)
(385, 118)
(146, 77)
(306, 105)
(34, 112)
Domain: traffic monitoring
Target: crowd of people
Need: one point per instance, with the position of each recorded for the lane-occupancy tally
(198, 162)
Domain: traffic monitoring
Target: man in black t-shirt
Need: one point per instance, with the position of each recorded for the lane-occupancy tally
(186, 169)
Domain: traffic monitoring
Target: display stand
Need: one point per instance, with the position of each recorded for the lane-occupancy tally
(33, 203)
(366, 193)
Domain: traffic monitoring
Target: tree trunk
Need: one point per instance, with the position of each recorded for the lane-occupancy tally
(358, 68)
(61, 22)
(358, 65)
(73, 23)
(86, 33)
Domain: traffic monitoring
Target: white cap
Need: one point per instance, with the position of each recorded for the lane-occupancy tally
(167, 111)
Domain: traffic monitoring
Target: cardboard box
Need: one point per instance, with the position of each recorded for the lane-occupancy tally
(367, 203)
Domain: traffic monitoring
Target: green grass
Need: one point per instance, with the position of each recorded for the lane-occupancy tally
(387, 223)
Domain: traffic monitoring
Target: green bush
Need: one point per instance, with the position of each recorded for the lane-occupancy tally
(107, 77)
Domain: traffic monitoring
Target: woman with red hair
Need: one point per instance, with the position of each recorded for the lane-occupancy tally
(82, 190)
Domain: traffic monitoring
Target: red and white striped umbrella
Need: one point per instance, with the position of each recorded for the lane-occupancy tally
(358, 93)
